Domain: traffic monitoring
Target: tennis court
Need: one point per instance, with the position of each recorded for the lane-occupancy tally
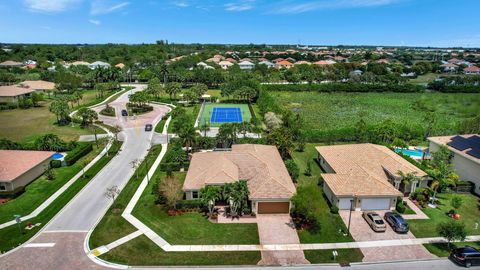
(216, 114)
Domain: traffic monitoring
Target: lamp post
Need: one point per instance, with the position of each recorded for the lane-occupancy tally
(350, 215)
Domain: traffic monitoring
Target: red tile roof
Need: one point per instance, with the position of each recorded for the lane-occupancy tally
(14, 163)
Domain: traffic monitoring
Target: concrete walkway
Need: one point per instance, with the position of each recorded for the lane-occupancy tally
(418, 212)
(60, 191)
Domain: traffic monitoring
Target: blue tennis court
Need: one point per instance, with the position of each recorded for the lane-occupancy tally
(226, 115)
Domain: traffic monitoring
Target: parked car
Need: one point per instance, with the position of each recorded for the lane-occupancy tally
(124, 112)
(466, 256)
(375, 221)
(397, 222)
(148, 127)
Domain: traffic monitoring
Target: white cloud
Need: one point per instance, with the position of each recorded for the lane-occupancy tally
(240, 6)
(96, 22)
(50, 5)
(105, 6)
(294, 8)
(182, 4)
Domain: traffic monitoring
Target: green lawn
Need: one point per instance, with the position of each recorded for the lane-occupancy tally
(325, 256)
(442, 249)
(42, 188)
(191, 110)
(189, 228)
(143, 252)
(331, 224)
(334, 111)
(208, 110)
(470, 214)
(424, 79)
(12, 237)
(113, 226)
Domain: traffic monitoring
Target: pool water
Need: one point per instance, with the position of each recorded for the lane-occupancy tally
(410, 152)
(57, 156)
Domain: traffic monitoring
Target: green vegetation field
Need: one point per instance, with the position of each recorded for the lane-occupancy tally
(332, 111)
(208, 109)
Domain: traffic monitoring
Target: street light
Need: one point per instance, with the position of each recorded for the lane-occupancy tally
(350, 215)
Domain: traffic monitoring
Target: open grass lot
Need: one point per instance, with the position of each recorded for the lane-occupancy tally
(42, 188)
(325, 256)
(113, 226)
(424, 79)
(143, 252)
(332, 111)
(11, 237)
(331, 224)
(469, 212)
(207, 112)
(189, 228)
(442, 249)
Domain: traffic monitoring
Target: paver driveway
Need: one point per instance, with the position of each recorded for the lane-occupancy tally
(362, 232)
(279, 229)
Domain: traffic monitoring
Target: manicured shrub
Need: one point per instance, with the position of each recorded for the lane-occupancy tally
(400, 207)
(55, 164)
(190, 204)
(334, 209)
(293, 169)
(78, 152)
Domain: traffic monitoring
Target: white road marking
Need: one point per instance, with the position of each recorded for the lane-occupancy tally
(39, 245)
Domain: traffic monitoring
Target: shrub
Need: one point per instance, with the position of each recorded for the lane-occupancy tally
(334, 209)
(55, 164)
(190, 204)
(293, 170)
(78, 152)
(174, 166)
(343, 87)
(400, 207)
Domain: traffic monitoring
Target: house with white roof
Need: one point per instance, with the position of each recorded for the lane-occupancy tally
(246, 65)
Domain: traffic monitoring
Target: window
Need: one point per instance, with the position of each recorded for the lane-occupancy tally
(2, 187)
(194, 194)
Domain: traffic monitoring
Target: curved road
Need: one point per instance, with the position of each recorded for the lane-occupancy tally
(60, 245)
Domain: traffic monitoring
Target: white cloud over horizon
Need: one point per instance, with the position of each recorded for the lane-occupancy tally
(240, 6)
(99, 7)
(293, 7)
(50, 5)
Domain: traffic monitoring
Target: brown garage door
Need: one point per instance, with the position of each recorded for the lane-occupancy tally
(273, 207)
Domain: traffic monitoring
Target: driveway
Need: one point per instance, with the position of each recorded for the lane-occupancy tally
(279, 229)
(362, 232)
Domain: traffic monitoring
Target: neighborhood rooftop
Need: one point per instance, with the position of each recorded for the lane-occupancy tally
(467, 145)
(14, 90)
(260, 165)
(14, 163)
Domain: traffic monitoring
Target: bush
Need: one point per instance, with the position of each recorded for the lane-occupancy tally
(293, 170)
(334, 209)
(108, 111)
(77, 153)
(400, 207)
(190, 204)
(55, 164)
(173, 167)
(344, 87)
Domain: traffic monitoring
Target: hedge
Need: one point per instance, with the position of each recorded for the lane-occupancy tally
(78, 152)
(190, 204)
(344, 87)
(173, 167)
(55, 164)
(460, 89)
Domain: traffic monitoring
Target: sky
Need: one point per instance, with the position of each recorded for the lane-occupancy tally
(438, 23)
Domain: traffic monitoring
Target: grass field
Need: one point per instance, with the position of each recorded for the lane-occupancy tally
(12, 237)
(189, 228)
(208, 109)
(469, 212)
(141, 251)
(442, 249)
(325, 256)
(332, 111)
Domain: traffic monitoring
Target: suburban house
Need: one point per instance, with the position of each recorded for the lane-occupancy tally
(225, 64)
(11, 64)
(449, 67)
(365, 176)
(120, 65)
(261, 166)
(246, 65)
(472, 70)
(204, 65)
(18, 168)
(466, 155)
(12, 93)
(302, 63)
(79, 63)
(283, 64)
(39, 86)
(98, 64)
(267, 63)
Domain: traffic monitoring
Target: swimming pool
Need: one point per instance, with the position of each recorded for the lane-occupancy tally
(411, 152)
(57, 156)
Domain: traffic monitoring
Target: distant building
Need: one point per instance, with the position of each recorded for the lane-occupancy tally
(472, 70)
(98, 64)
(12, 93)
(18, 168)
(449, 67)
(38, 86)
(10, 64)
(246, 65)
(225, 64)
(283, 64)
(204, 65)
(302, 63)
(267, 63)
(120, 65)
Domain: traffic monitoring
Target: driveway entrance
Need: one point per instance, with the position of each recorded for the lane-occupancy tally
(279, 229)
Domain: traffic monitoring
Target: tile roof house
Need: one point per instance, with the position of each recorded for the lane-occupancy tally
(225, 64)
(246, 65)
(472, 70)
(283, 64)
(448, 67)
(267, 63)
(302, 63)
(38, 85)
(261, 166)
(98, 64)
(18, 168)
(465, 155)
(365, 176)
(10, 63)
(11, 93)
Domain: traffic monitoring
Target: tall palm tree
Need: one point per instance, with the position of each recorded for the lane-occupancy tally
(209, 195)
(188, 136)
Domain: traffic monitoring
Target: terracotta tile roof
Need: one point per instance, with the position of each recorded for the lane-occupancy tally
(284, 63)
(14, 90)
(303, 63)
(40, 85)
(14, 163)
(79, 63)
(260, 165)
(120, 65)
(472, 69)
(362, 168)
(10, 63)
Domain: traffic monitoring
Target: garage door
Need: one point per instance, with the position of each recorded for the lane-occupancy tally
(344, 203)
(376, 204)
(273, 207)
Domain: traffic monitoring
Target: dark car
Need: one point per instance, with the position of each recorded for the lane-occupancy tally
(466, 256)
(397, 222)
(124, 113)
(148, 127)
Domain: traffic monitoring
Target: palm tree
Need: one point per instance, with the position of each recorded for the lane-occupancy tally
(188, 136)
(408, 179)
(204, 128)
(172, 89)
(209, 195)
(87, 115)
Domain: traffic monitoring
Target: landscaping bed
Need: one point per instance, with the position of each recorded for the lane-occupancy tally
(325, 256)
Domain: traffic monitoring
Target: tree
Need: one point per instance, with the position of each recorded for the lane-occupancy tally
(236, 194)
(116, 130)
(209, 195)
(135, 164)
(292, 169)
(456, 202)
(188, 136)
(452, 230)
(171, 188)
(227, 134)
(50, 142)
(361, 131)
(87, 115)
(204, 127)
(282, 138)
(408, 179)
(272, 121)
(154, 87)
(112, 192)
(308, 170)
(60, 109)
(173, 88)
